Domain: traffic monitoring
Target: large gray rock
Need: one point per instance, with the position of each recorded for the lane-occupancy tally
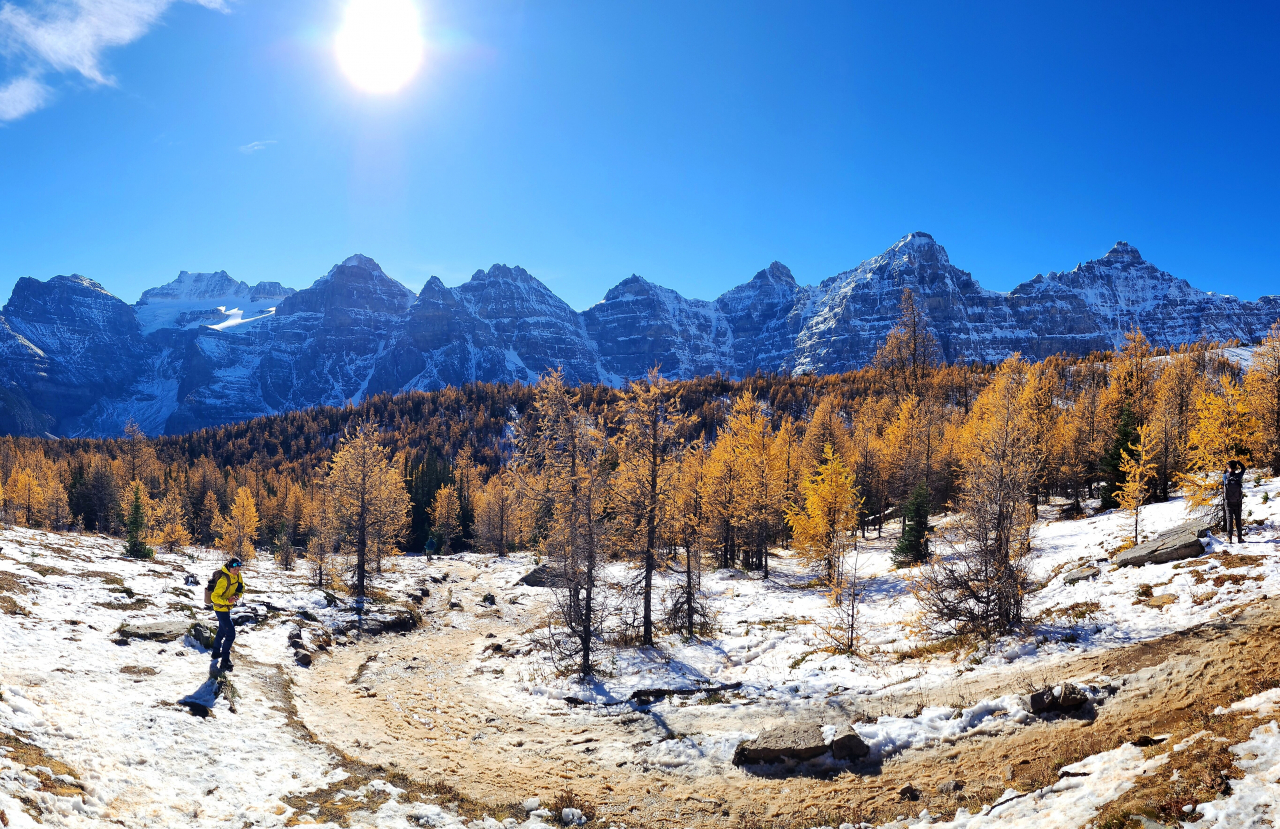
(155, 631)
(786, 742)
(1177, 544)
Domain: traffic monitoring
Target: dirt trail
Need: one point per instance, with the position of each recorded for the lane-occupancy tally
(420, 704)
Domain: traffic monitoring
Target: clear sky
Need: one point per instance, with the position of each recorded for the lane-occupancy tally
(692, 143)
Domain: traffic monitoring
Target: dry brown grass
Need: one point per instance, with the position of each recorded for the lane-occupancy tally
(63, 782)
(960, 646)
(9, 584)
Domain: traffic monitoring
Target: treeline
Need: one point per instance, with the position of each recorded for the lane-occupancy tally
(678, 476)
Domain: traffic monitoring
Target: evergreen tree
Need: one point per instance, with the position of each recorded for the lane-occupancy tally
(136, 527)
(913, 547)
(1112, 464)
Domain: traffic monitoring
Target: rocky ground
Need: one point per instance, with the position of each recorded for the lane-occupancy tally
(1139, 689)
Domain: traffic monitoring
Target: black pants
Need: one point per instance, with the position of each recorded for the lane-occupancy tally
(226, 635)
(1233, 520)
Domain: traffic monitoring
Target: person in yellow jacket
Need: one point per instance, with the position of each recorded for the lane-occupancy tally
(223, 591)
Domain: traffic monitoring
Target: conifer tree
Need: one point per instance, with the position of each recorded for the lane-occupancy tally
(25, 497)
(239, 529)
(559, 458)
(1223, 432)
(687, 612)
(823, 526)
(756, 513)
(136, 527)
(910, 354)
(1138, 469)
(913, 546)
(1262, 383)
(980, 587)
(494, 524)
(169, 524)
(446, 517)
(210, 518)
(368, 500)
(646, 446)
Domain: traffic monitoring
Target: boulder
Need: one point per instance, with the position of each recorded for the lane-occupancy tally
(302, 658)
(1180, 543)
(909, 793)
(155, 631)
(786, 742)
(540, 576)
(202, 635)
(950, 786)
(848, 746)
(1080, 574)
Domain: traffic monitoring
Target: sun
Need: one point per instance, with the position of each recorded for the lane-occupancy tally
(380, 45)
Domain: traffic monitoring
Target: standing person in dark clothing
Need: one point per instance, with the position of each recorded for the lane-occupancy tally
(1233, 488)
(223, 591)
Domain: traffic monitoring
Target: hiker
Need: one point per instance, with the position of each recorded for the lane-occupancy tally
(1233, 487)
(223, 591)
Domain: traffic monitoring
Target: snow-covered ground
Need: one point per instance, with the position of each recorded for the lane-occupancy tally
(111, 712)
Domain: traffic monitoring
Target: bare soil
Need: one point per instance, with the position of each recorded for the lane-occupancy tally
(423, 705)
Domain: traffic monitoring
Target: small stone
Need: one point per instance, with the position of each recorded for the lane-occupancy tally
(302, 658)
(1163, 600)
(950, 786)
(1080, 574)
(489, 599)
(909, 792)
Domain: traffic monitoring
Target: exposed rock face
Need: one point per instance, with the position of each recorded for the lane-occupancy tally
(206, 349)
(65, 344)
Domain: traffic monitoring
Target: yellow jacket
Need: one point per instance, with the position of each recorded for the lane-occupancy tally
(227, 586)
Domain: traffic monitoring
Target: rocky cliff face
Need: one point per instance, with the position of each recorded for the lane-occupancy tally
(206, 349)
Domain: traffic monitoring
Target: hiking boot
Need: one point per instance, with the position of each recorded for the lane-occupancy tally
(226, 665)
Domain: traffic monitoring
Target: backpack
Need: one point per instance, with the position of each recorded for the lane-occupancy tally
(1235, 487)
(213, 583)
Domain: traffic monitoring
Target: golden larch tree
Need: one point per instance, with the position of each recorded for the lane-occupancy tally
(1138, 468)
(239, 529)
(369, 501)
(446, 516)
(1262, 383)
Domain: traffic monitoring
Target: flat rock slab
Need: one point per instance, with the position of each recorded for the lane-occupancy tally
(786, 742)
(1175, 545)
(155, 631)
(1080, 574)
(1163, 600)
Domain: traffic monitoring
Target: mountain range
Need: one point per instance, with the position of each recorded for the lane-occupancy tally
(206, 349)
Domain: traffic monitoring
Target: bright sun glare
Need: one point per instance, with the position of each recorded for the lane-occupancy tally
(380, 44)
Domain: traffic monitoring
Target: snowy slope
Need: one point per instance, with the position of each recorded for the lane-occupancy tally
(213, 299)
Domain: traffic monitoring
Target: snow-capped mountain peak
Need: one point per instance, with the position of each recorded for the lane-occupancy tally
(207, 349)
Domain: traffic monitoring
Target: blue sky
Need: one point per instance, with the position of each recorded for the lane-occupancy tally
(692, 143)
